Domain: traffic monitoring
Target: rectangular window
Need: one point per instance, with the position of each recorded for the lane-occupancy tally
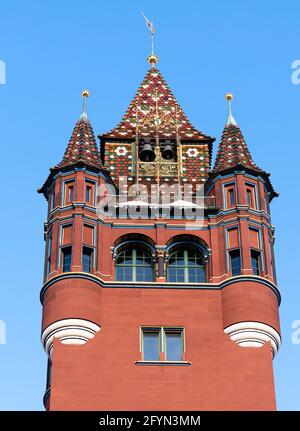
(151, 345)
(251, 196)
(49, 374)
(256, 262)
(173, 345)
(90, 192)
(52, 200)
(66, 234)
(88, 234)
(254, 237)
(235, 262)
(87, 259)
(69, 192)
(233, 238)
(49, 248)
(162, 344)
(229, 196)
(66, 258)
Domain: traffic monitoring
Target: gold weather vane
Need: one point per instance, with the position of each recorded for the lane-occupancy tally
(152, 58)
(84, 94)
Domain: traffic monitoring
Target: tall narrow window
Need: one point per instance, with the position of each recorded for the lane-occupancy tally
(256, 262)
(49, 374)
(251, 196)
(162, 344)
(88, 194)
(52, 200)
(235, 262)
(229, 196)
(66, 254)
(186, 265)
(173, 344)
(134, 264)
(49, 248)
(69, 192)
(151, 345)
(87, 259)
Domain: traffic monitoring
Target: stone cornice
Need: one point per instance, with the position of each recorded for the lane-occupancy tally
(160, 285)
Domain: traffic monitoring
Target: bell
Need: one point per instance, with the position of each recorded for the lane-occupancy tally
(168, 152)
(147, 154)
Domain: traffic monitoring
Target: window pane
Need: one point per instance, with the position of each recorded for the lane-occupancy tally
(144, 273)
(255, 262)
(88, 194)
(48, 266)
(66, 259)
(231, 197)
(87, 259)
(123, 273)
(70, 193)
(52, 200)
(235, 262)
(137, 265)
(119, 273)
(201, 275)
(151, 346)
(176, 275)
(173, 346)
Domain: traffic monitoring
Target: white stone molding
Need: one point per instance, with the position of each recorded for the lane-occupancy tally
(69, 331)
(254, 334)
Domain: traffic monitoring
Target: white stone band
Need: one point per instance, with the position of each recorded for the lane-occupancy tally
(254, 334)
(69, 331)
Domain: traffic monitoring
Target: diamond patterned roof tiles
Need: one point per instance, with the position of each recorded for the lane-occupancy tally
(82, 146)
(154, 95)
(233, 150)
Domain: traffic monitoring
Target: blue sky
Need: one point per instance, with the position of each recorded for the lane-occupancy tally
(54, 49)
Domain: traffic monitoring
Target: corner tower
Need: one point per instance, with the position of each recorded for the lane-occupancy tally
(143, 308)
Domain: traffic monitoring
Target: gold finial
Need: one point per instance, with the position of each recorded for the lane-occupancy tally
(229, 96)
(152, 59)
(84, 94)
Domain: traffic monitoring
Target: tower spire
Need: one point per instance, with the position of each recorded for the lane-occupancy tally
(85, 94)
(230, 120)
(233, 149)
(152, 58)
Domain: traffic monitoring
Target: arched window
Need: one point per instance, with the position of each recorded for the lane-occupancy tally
(134, 263)
(186, 265)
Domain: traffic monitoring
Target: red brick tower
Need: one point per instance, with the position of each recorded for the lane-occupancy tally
(164, 302)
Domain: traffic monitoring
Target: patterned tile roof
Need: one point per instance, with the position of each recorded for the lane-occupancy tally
(82, 146)
(155, 96)
(233, 149)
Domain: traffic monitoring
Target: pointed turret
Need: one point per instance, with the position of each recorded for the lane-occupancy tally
(82, 146)
(233, 150)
